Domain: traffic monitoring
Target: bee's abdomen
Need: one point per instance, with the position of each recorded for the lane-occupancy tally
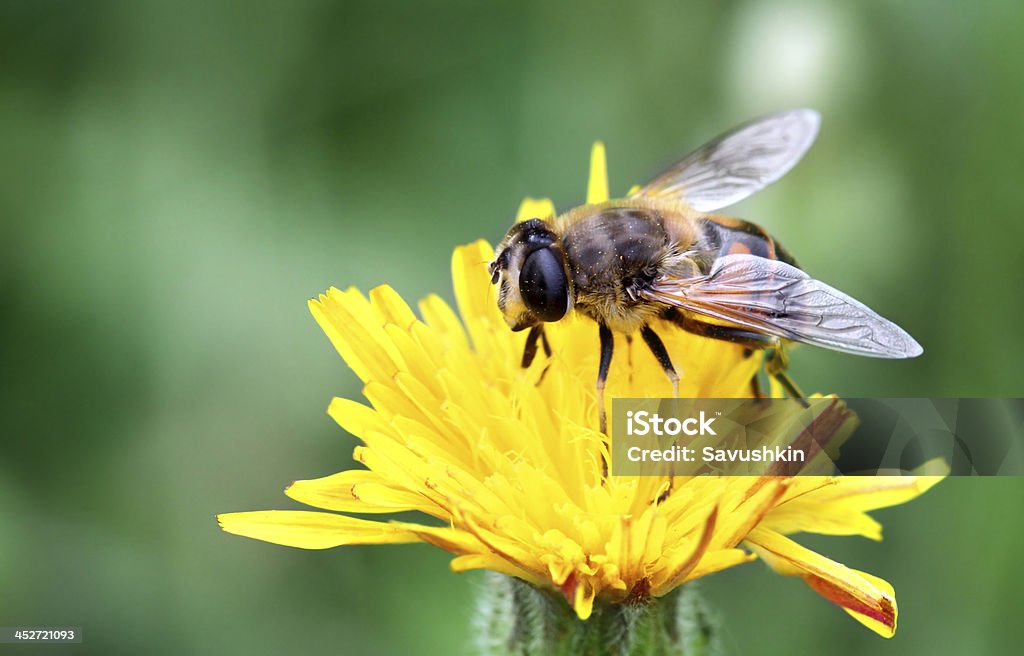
(731, 236)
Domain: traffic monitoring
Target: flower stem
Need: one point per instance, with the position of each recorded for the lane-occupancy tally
(514, 617)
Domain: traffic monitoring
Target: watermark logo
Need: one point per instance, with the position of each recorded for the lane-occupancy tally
(642, 422)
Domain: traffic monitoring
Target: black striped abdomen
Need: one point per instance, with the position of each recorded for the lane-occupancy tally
(729, 236)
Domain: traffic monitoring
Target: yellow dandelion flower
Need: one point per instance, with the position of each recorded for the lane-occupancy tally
(509, 461)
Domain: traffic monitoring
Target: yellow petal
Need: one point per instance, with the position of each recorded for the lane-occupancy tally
(451, 540)
(838, 507)
(347, 319)
(391, 308)
(870, 600)
(474, 295)
(355, 417)
(355, 490)
(443, 321)
(685, 566)
(583, 603)
(311, 530)
(496, 564)
(716, 561)
(871, 492)
(597, 185)
(825, 518)
(745, 516)
(535, 208)
(318, 308)
(878, 627)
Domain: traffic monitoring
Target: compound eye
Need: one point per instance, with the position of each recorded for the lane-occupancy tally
(543, 285)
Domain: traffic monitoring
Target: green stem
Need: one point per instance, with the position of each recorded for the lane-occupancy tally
(515, 618)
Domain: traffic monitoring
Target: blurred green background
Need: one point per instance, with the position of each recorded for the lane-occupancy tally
(178, 178)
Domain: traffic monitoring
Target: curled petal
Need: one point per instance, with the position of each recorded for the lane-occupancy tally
(868, 599)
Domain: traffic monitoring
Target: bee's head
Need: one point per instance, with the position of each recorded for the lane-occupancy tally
(531, 272)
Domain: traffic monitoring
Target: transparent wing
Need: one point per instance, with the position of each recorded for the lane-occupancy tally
(738, 163)
(773, 297)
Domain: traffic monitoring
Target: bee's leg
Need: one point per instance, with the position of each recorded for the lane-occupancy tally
(547, 353)
(755, 387)
(530, 349)
(661, 354)
(776, 366)
(607, 346)
(747, 338)
(544, 341)
(755, 382)
(776, 363)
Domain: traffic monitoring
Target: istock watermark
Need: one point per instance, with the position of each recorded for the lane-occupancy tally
(821, 436)
(643, 422)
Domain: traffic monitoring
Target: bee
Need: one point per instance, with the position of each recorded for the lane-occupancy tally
(660, 253)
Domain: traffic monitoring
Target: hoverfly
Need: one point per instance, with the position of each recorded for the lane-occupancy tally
(659, 253)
